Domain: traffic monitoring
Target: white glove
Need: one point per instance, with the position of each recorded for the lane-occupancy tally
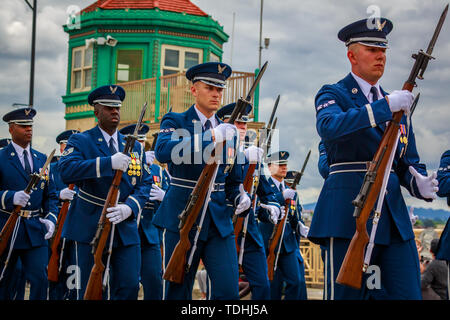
(120, 161)
(253, 154)
(413, 218)
(150, 156)
(289, 193)
(118, 213)
(428, 186)
(244, 201)
(66, 194)
(274, 212)
(303, 229)
(400, 100)
(224, 131)
(50, 227)
(156, 193)
(21, 198)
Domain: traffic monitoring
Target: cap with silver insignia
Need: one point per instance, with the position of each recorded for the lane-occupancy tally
(109, 95)
(22, 116)
(63, 137)
(212, 73)
(370, 32)
(226, 111)
(142, 132)
(280, 157)
(4, 142)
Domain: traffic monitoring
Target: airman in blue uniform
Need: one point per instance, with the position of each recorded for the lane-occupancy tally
(351, 117)
(39, 212)
(90, 161)
(185, 142)
(254, 260)
(443, 176)
(287, 266)
(150, 235)
(59, 290)
(300, 230)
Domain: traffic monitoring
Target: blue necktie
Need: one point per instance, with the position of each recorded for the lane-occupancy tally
(374, 92)
(111, 146)
(26, 162)
(207, 125)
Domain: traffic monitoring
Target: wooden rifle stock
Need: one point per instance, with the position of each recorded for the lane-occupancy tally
(53, 263)
(352, 267)
(175, 269)
(8, 228)
(94, 288)
(275, 240)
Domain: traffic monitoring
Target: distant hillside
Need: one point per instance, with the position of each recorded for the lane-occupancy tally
(423, 213)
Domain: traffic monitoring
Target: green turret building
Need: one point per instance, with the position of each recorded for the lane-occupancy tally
(145, 46)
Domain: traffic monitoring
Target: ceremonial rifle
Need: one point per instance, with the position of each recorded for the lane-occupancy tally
(352, 267)
(94, 288)
(177, 266)
(53, 268)
(249, 183)
(8, 228)
(278, 231)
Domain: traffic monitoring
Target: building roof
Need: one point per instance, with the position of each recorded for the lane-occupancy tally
(165, 5)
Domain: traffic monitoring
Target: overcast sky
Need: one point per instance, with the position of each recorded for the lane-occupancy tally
(304, 53)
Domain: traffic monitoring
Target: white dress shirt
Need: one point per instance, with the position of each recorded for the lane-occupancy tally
(19, 151)
(107, 137)
(203, 118)
(365, 87)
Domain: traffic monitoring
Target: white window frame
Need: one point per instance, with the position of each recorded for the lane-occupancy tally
(83, 69)
(181, 61)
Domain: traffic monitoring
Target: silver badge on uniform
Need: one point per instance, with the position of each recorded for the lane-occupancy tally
(133, 181)
(42, 185)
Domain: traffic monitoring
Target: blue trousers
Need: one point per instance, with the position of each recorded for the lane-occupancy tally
(288, 271)
(34, 264)
(254, 265)
(219, 257)
(399, 269)
(124, 274)
(151, 271)
(59, 290)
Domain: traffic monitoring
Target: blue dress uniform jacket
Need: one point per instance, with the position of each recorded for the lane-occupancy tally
(192, 144)
(289, 243)
(443, 177)
(86, 161)
(43, 200)
(345, 120)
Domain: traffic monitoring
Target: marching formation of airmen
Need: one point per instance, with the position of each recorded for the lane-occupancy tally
(156, 186)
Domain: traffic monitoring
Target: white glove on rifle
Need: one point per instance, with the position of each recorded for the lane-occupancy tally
(118, 213)
(156, 193)
(274, 212)
(224, 131)
(303, 229)
(50, 227)
(21, 198)
(253, 154)
(289, 193)
(120, 161)
(400, 100)
(150, 157)
(244, 201)
(428, 186)
(66, 194)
